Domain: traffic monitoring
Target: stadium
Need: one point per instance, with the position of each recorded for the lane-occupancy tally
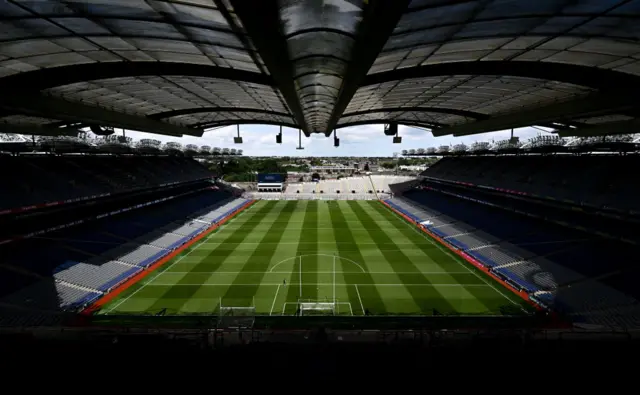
(109, 241)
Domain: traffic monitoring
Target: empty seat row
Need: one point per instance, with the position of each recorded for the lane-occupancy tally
(75, 282)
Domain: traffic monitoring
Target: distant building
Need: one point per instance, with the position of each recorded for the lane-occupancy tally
(334, 169)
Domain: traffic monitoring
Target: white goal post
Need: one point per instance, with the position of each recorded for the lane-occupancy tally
(308, 307)
(236, 316)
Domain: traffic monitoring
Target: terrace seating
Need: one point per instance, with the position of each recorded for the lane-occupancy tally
(52, 296)
(540, 258)
(600, 181)
(44, 179)
(100, 277)
(344, 186)
(381, 182)
(69, 269)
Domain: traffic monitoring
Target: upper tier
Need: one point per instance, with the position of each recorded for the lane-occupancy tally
(601, 181)
(37, 180)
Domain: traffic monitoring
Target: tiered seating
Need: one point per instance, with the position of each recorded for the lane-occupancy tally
(599, 180)
(44, 179)
(381, 183)
(358, 184)
(137, 254)
(51, 295)
(68, 269)
(100, 278)
(378, 184)
(558, 265)
(594, 302)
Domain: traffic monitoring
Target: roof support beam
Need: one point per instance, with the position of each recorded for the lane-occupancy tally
(603, 129)
(211, 125)
(54, 108)
(214, 124)
(33, 81)
(381, 122)
(589, 106)
(379, 19)
(435, 110)
(573, 74)
(200, 110)
(261, 20)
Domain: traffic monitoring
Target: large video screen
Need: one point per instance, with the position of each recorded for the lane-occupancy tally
(270, 178)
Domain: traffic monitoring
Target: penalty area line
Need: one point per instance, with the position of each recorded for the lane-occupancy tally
(274, 299)
(360, 299)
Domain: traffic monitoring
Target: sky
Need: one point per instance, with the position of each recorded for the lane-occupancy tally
(368, 140)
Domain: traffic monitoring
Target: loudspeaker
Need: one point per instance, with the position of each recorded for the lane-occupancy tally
(397, 140)
(336, 142)
(237, 140)
(278, 139)
(391, 129)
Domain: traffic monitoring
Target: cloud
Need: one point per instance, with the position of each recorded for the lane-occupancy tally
(366, 140)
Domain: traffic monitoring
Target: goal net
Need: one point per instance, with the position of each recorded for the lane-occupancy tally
(308, 307)
(236, 316)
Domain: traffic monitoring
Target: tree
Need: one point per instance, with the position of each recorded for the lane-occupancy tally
(271, 166)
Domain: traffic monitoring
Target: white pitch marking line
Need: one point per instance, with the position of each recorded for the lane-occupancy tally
(274, 299)
(360, 299)
(301, 256)
(158, 274)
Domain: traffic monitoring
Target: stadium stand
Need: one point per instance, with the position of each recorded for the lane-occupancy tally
(346, 188)
(121, 214)
(578, 263)
(70, 268)
(599, 181)
(381, 182)
(47, 180)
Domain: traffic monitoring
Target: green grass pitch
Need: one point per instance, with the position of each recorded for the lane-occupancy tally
(356, 254)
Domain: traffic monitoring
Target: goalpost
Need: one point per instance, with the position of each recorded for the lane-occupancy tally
(236, 316)
(312, 307)
(324, 306)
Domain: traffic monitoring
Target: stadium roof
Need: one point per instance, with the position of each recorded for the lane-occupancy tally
(453, 66)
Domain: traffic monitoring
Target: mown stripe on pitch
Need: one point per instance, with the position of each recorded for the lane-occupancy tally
(402, 264)
(436, 255)
(309, 237)
(211, 262)
(349, 249)
(257, 264)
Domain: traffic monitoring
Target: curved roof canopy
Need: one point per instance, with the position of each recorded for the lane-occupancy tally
(456, 67)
